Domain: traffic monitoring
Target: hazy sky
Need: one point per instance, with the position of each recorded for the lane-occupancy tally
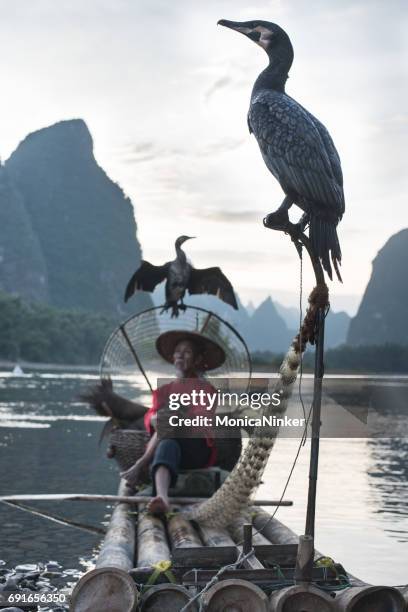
(165, 92)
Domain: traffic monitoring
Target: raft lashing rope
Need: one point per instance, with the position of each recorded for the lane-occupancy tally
(234, 496)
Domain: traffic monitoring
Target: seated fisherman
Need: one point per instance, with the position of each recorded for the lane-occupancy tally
(192, 354)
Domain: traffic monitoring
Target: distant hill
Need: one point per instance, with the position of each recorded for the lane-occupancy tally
(22, 265)
(337, 323)
(289, 314)
(265, 328)
(383, 312)
(80, 227)
(336, 330)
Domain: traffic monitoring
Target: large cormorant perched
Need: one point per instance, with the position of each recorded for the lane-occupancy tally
(295, 146)
(181, 276)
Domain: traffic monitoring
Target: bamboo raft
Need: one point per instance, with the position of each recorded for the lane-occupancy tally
(150, 564)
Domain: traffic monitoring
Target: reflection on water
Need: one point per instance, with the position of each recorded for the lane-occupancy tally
(388, 477)
(49, 444)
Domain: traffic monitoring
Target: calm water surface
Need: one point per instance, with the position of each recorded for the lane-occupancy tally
(49, 444)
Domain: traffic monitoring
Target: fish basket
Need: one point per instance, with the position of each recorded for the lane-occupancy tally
(126, 446)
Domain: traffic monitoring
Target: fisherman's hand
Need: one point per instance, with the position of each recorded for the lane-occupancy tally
(133, 474)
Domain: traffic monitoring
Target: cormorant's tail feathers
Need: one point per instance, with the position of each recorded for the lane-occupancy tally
(325, 244)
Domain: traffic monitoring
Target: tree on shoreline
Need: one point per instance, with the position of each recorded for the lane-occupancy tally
(39, 333)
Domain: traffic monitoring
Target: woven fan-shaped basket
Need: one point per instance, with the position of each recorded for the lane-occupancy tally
(130, 353)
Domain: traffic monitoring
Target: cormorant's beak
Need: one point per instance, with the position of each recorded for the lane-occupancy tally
(238, 26)
(260, 35)
(188, 238)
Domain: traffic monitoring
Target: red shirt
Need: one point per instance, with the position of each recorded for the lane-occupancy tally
(161, 399)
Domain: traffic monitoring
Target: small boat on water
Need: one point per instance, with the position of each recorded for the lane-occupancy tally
(224, 553)
(148, 563)
(18, 370)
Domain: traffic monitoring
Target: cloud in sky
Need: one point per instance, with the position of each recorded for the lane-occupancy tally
(150, 150)
(165, 94)
(219, 83)
(230, 216)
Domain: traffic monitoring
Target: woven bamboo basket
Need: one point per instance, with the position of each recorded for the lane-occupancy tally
(127, 445)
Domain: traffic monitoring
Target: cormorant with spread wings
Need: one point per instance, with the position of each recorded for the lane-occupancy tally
(181, 276)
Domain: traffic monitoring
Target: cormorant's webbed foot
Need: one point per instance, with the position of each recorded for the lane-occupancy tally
(182, 307)
(278, 220)
(174, 311)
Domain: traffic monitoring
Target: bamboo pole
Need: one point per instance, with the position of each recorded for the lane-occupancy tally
(152, 547)
(181, 533)
(128, 499)
(235, 595)
(56, 519)
(215, 536)
(301, 598)
(236, 529)
(109, 587)
(118, 548)
(167, 598)
(274, 530)
(372, 598)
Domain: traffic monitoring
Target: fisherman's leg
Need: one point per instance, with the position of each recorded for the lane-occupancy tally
(162, 480)
(164, 470)
(280, 218)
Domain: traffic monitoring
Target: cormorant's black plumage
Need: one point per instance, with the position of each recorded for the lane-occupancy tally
(296, 147)
(181, 276)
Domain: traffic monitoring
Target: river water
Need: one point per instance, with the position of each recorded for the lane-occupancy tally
(49, 444)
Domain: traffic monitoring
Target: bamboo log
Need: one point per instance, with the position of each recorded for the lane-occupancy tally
(128, 499)
(167, 598)
(118, 548)
(275, 531)
(182, 534)
(152, 544)
(109, 587)
(370, 599)
(235, 595)
(215, 536)
(236, 529)
(301, 598)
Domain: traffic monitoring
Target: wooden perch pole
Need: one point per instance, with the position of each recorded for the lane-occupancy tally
(315, 443)
(315, 335)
